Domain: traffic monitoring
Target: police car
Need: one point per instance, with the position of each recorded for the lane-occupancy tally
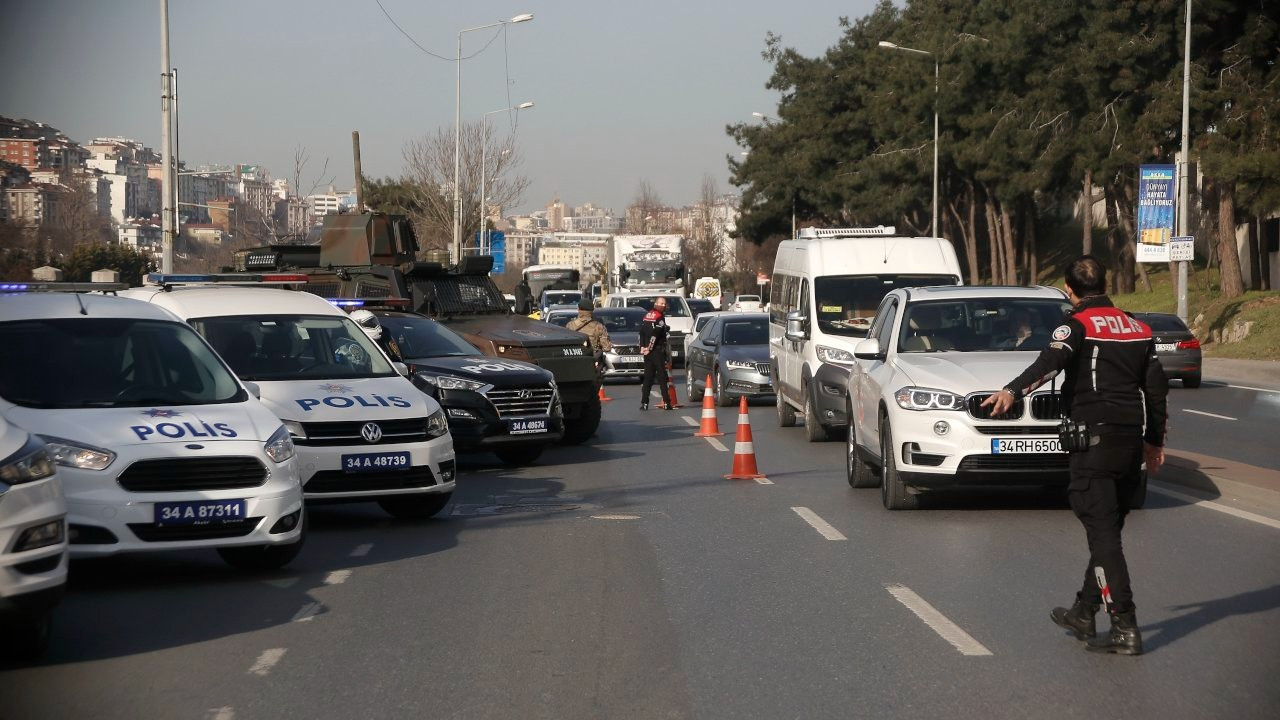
(362, 430)
(33, 542)
(158, 445)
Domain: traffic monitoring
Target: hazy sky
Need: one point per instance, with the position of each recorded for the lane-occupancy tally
(624, 90)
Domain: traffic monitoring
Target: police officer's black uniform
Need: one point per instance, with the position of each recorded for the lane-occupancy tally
(1115, 384)
(653, 345)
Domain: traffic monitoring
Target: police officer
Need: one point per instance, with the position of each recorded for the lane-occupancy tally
(1115, 385)
(368, 322)
(653, 346)
(524, 297)
(596, 332)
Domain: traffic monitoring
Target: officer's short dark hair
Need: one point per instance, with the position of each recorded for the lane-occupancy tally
(1086, 276)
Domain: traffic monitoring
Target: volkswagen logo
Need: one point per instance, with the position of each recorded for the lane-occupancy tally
(371, 432)
(525, 394)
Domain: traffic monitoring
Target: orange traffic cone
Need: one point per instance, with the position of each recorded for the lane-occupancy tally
(604, 398)
(744, 453)
(710, 425)
(671, 390)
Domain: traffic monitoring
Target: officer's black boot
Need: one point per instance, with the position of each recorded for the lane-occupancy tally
(1124, 638)
(1079, 619)
(644, 404)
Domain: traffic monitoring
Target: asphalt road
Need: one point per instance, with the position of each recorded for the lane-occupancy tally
(627, 579)
(1228, 419)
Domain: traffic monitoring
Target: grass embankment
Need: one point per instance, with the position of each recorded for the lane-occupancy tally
(1211, 316)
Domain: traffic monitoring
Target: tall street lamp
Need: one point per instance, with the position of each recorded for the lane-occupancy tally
(484, 149)
(457, 131)
(893, 46)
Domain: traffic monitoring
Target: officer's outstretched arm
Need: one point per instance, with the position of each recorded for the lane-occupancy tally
(1067, 339)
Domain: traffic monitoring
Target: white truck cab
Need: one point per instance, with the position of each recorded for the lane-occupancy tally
(158, 445)
(363, 431)
(826, 287)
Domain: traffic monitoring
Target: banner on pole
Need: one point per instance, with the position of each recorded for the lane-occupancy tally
(1155, 212)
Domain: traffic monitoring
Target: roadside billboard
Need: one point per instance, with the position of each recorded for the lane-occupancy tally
(1156, 194)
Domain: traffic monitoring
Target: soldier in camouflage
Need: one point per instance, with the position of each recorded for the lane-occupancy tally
(595, 331)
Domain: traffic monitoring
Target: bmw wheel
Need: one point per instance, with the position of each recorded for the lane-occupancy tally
(893, 491)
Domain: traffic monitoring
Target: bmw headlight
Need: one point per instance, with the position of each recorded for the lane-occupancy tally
(835, 356)
(30, 463)
(436, 424)
(78, 455)
(451, 382)
(739, 365)
(916, 398)
(280, 446)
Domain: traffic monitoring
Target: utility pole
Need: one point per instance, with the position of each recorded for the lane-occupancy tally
(177, 153)
(355, 149)
(168, 213)
(1184, 160)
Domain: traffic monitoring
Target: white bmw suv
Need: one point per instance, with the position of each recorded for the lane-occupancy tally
(931, 357)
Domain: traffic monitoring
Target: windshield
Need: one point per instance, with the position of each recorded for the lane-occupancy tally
(561, 318)
(620, 321)
(675, 305)
(540, 280)
(1162, 323)
(294, 347)
(420, 337)
(649, 272)
(749, 298)
(561, 297)
(746, 332)
(845, 304)
(980, 325)
(100, 363)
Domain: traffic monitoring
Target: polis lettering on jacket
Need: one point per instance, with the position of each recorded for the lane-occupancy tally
(347, 401)
(176, 430)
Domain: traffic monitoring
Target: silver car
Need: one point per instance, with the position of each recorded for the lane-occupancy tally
(734, 350)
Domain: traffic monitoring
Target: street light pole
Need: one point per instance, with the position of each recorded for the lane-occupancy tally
(457, 131)
(484, 149)
(1184, 160)
(168, 212)
(894, 46)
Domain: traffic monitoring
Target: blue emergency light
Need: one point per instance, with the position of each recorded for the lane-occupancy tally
(371, 301)
(33, 287)
(232, 278)
(346, 303)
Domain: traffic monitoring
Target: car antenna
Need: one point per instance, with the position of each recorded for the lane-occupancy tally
(81, 303)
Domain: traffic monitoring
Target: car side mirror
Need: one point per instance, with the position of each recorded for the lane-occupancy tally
(711, 342)
(253, 389)
(796, 326)
(401, 369)
(868, 349)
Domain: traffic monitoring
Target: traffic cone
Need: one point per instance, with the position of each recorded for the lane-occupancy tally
(744, 453)
(671, 390)
(604, 398)
(710, 424)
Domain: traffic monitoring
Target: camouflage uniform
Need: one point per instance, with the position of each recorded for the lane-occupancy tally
(594, 330)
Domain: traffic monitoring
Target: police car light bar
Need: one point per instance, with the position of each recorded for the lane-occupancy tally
(371, 302)
(227, 278)
(879, 230)
(29, 287)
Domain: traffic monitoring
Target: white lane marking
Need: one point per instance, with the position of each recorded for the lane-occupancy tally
(1193, 500)
(689, 420)
(716, 444)
(764, 481)
(616, 517)
(222, 713)
(306, 612)
(1209, 414)
(266, 661)
(946, 629)
(362, 550)
(822, 526)
(1255, 389)
(337, 577)
(282, 583)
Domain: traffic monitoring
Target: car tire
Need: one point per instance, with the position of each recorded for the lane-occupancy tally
(893, 491)
(786, 413)
(577, 430)
(264, 558)
(518, 456)
(855, 468)
(813, 430)
(1191, 381)
(415, 507)
(722, 396)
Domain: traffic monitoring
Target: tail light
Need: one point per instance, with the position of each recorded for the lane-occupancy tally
(1192, 344)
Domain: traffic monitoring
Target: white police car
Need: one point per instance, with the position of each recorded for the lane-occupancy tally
(33, 542)
(159, 447)
(363, 431)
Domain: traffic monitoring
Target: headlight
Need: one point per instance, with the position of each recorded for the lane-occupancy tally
(30, 463)
(739, 365)
(835, 356)
(77, 455)
(914, 398)
(436, 424)
(295, 429)
(449, 382)
(280, 446)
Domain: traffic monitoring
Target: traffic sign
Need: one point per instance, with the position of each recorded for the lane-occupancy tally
(1182, 248)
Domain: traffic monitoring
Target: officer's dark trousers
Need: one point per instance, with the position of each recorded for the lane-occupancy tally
(655, 366)
(1103, 480)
